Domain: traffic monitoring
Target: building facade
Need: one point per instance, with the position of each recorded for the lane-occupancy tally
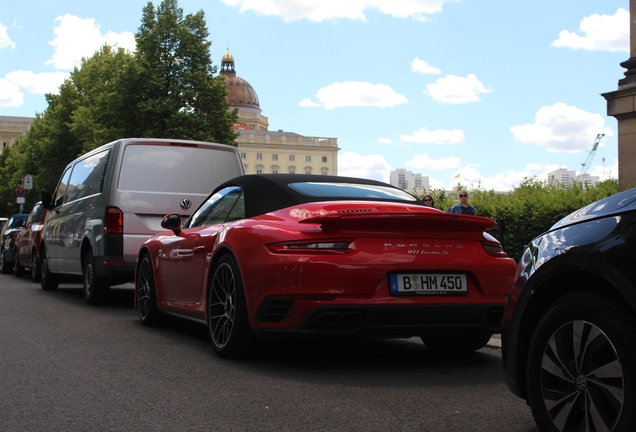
(408, 181)
(11, 128)
(265, 151)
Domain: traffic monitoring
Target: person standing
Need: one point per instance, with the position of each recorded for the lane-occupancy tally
(428, 201)
(463, 207)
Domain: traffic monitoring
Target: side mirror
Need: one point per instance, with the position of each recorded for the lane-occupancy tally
(47, 200)
(172, 222)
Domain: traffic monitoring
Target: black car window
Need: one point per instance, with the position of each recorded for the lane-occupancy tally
(38, 213)
(33, 215)
(220, 207)
(60, 192)
(87, 176)
(351, 191)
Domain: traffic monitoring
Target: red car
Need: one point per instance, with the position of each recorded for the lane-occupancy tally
(306, 255)
(28, 243)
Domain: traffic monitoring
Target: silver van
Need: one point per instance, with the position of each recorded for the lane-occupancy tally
(112, 199)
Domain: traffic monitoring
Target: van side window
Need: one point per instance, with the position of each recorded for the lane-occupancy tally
(61, 188)
(87, 177)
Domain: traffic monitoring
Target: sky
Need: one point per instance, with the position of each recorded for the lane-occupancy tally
(479, 92)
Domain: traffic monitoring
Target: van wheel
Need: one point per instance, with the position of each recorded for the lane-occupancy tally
(146, 294)
(95, 288)
(18, 270)
(35, 268)
(48, 281)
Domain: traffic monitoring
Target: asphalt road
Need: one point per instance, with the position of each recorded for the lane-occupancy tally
(67, 366)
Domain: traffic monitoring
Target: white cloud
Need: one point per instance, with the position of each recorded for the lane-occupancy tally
(321, 10)
(533, 167)
(10, 94)
(470, 177)
(457, 90)
(385, 140)
(601, 33)
(41, 83)
(562, 128)
(437, 136)
(373, 167)
(76, 38)
(424, 161)
(355, 93)
(424, 68)
(5, 40)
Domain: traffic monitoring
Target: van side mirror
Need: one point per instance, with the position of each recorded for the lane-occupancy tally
(172, 222)
(47, 200)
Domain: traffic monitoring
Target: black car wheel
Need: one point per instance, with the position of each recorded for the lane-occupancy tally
(35, 268)
(4, 267)
(146, 295)
(48, 281)
(18, 270)
(95, 289)
(457, 342)
(228, 325)
(582, 366)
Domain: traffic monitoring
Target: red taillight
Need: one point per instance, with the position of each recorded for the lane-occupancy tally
(494, 250)
(114, 223)
(312, 247)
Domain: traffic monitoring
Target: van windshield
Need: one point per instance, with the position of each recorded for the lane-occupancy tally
(175, 169)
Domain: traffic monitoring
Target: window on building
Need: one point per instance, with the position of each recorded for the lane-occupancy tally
(324, 171)
(274, 169)
(307, 158)
(291, 170)
(259, 156)
(291, 157)
(243, 155)
(324, 158)
(274, 157)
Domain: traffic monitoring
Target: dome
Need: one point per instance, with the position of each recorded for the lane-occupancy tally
(241, 93)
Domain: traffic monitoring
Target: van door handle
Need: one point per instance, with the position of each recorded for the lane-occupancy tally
(199, 248)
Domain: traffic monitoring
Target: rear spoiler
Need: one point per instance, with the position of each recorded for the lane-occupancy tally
(401, 223)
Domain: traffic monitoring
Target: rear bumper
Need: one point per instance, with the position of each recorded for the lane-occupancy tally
(394, 321)
(115, 269)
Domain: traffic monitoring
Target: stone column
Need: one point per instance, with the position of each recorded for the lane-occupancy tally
(621, 104)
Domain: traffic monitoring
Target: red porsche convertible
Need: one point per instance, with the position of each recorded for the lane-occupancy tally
(306, 255)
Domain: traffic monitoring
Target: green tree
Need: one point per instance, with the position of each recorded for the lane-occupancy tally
(179, 97)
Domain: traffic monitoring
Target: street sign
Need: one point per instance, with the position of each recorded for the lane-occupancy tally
(20, 201)
(20, 192)
(28, 181)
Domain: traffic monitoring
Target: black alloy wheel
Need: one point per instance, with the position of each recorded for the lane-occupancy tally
(582, 366)
(18, 270)
(228, 325)
(95, 289)
(4, 267)
(48, 281)
(35, 267)
(146, 294)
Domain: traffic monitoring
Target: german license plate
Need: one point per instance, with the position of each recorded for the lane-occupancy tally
(428, 284)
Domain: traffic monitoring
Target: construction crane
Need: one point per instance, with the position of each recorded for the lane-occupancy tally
(585, 166)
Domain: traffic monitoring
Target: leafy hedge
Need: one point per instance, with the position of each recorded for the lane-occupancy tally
(528, 210)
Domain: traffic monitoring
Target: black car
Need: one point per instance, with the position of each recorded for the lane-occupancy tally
(569, 331)
(9, 230)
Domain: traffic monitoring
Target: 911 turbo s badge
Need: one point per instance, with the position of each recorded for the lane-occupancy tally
(440, 249)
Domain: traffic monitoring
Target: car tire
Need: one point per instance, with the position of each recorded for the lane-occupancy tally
(228, 325)
(457, 342)
(146, 294)
(18, 270)
(95, 289)
(48, 281)
(582, 365)
(35, 267)
(4, 268)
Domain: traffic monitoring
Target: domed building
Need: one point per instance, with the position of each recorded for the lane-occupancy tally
(264, 151)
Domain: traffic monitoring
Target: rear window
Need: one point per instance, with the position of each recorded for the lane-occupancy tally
(175, 169)
(351, 190)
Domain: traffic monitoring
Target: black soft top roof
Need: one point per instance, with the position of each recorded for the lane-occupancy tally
(265, 193)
